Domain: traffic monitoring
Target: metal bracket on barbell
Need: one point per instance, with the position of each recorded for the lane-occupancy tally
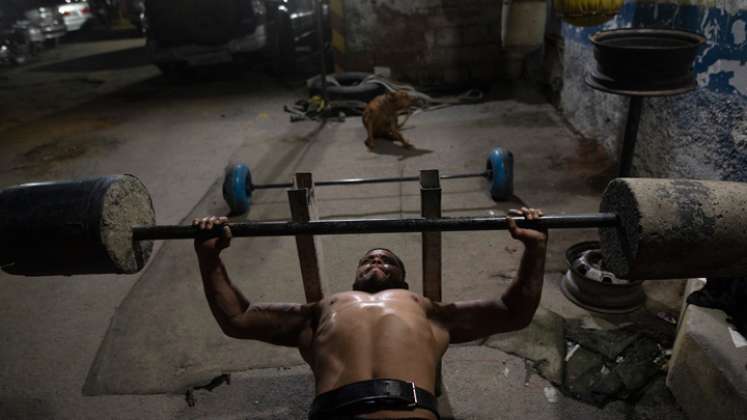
(304, 181)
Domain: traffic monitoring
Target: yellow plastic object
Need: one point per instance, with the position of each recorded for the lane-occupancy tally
(316, 104)
(587, 12)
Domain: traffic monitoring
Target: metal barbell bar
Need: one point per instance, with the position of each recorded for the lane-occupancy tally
(354, 226)
(649, 228)
(358, 181)
(238, 185)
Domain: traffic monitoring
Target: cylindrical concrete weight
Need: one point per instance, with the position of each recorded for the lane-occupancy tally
(74, 227)
(675, 228)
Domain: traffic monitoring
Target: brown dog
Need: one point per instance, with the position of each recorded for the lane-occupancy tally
(380, 117)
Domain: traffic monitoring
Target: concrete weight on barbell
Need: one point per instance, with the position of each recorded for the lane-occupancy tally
(75, 227)
(675, 228)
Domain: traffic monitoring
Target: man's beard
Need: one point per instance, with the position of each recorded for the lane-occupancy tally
(373, 282)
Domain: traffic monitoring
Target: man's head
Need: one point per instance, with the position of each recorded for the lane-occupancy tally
(379, 269)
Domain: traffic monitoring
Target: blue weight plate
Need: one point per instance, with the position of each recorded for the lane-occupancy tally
(235, 191)
(501, 164)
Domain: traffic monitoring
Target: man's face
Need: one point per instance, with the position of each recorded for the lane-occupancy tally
(379, 270)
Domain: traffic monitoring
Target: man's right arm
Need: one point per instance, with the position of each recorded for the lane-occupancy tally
(283, 324)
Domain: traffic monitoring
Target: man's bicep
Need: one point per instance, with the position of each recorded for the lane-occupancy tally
(474, 319)
(282, 324)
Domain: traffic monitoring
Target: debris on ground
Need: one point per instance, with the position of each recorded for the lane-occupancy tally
(593, 365)
(571, 350)
(667, 317)
(611, 364)
(551, 394)
(608, 343)
(542, 342)
(214, 383)
(317, 109)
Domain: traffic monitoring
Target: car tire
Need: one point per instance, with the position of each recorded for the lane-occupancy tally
(22, 55)
(19, 60)
(175, 70)
(36, 48)
(52, 43)
(20, 52)
(350, 87)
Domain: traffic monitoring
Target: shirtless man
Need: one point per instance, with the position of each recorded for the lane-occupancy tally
(373, 351)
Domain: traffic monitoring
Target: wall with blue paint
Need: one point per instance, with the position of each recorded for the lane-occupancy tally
(702, 134)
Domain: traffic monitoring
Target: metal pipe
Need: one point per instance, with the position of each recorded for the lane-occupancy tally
(356, 181)
(343, 227)
(322, 49)
(631, 135)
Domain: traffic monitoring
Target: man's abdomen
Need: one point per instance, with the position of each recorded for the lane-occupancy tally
(376, 342)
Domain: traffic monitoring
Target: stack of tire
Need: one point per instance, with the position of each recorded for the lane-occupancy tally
(348, 86)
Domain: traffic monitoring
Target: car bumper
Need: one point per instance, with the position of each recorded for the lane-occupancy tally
(52, 32)
(197, 55)
(36, 36)
(75, 23)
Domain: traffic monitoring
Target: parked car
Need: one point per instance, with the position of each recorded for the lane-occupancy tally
(44, 15)
(105, 10)
(15, 45)
(135, 13)
(35, 34)
(20, 39)
(200, 32)
(75, 13)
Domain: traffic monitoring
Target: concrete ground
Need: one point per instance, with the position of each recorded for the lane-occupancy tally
(125, 347)
(84, 66)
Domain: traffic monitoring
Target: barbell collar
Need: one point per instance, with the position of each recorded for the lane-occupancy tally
(358, 226)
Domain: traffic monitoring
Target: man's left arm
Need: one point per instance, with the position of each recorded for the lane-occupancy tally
(472, 320)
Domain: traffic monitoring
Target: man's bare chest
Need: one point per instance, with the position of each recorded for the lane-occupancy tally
(361, 316)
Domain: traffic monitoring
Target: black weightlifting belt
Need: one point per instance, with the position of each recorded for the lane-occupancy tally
(370, 396)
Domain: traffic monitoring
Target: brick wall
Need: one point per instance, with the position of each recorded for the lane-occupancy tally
(424, 41)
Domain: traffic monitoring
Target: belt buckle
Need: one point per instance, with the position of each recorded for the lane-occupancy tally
(414, 402)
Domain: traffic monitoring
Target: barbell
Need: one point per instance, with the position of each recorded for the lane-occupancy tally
(238, 184)
(649, 228)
